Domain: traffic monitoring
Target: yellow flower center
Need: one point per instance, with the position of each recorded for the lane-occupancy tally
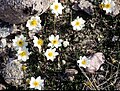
(56, 7)
(84, 62)
(20, 43)
(35, 83)
(40, 42)
(55, 42)
(23, 53)
(107, 6)
(50, 54)
(23, 67)
(34, 23)
(77, 23)
(101, 6)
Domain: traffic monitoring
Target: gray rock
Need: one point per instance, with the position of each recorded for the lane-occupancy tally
(4, 32)
(13, 73)
(86, 6)
(71, 71)
(117, 86)
(18, 11)
(116, 10)
(2, 87)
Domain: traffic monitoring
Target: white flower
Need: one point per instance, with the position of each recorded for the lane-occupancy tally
(23, 54)
(78, 23)
(56, 8)
(108, 6)
(65, 43)
(83, 61)
(51, 54)
(54, 41)
(34, 23)
(19, 42)
(37, 42)
(37, 83)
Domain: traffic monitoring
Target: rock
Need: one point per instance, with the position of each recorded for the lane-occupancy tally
(13, 73)
(95, 62)
(4, 32)
(117, 86)
(2, 87)
(116, 10)
(18, 11)
(84, 5)
(70, 73)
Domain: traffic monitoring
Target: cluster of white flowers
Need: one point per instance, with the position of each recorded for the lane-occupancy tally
(55, 42)
(34, 24)
(51, 53)
(20, 44)
(57, 8)
(22, 52)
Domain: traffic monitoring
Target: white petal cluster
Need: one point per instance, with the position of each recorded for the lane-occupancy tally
(108, 6)
(38, 42)
(34, 23)
(51, 54)
(37, 83)
(56, 8)
(23, 54)
(19, 42)
(78, 23)
(20, 45)
(83, 61)
(54, 41)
